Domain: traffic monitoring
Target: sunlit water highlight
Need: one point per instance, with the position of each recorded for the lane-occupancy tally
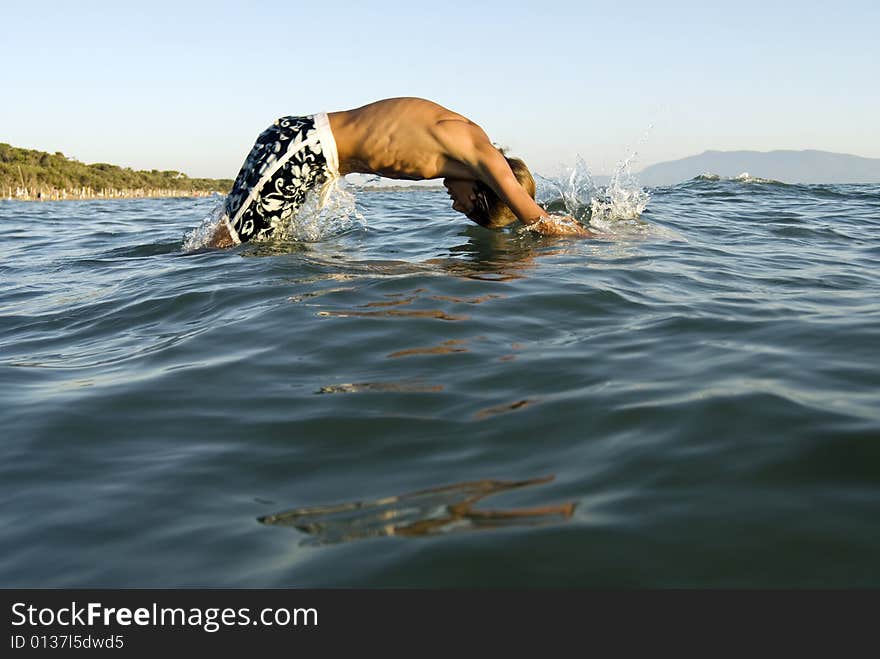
(688, 400)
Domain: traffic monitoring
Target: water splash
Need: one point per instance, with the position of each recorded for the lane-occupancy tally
(325, 212)
(613, 209)
(623, 201)
(199, 237)
(570, 192)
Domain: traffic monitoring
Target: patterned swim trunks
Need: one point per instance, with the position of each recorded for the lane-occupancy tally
(291, 157)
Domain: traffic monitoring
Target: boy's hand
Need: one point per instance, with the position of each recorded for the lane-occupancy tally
(558, 225)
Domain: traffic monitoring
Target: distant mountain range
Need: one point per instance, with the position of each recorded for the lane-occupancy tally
(787, 166)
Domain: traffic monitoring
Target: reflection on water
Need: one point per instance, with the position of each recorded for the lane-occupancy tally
(424, 313)
(426, 512)
(447, 347)
(357, 387)
(501, 409)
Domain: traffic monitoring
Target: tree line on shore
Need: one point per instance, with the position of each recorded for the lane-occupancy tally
(27, 173)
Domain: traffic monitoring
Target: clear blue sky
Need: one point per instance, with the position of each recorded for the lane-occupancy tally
(188, 85)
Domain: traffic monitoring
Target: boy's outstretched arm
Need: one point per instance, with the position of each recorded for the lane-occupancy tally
(489, 166)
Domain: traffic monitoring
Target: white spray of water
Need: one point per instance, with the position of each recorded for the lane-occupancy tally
(622, 201)
(612, 209)
(570, 191)
(324, 212)
(198, 238)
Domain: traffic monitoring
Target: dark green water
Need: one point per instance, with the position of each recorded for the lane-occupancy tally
(707, 408)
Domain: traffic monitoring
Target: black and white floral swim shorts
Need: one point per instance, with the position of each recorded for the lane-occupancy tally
(291, 157)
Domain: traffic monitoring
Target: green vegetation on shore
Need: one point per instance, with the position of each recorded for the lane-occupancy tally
(31, 174)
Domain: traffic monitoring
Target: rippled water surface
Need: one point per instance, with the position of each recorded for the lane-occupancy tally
(691, 400)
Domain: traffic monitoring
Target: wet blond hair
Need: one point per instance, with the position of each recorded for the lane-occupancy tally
(490, 211)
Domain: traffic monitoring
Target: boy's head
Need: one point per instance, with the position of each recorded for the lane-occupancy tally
(487, 209)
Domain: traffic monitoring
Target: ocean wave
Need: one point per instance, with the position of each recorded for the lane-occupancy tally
(744, 177)
(721, 186)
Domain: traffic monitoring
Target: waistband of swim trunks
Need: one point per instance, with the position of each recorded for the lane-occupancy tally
(328, 142)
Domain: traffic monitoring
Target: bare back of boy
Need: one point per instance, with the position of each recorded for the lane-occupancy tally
(417, 139)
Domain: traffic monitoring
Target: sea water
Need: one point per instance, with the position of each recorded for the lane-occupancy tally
(393, 396)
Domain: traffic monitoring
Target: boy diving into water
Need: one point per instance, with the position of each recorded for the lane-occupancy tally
(399, 138)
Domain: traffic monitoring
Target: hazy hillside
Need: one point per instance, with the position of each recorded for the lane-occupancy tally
(788, 166)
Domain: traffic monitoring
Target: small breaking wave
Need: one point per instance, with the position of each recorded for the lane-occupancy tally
(744, 177)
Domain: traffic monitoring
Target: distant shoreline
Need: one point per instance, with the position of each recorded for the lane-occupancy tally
(82, 194)
(399, 188)
(87, 194)
(29, 175)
